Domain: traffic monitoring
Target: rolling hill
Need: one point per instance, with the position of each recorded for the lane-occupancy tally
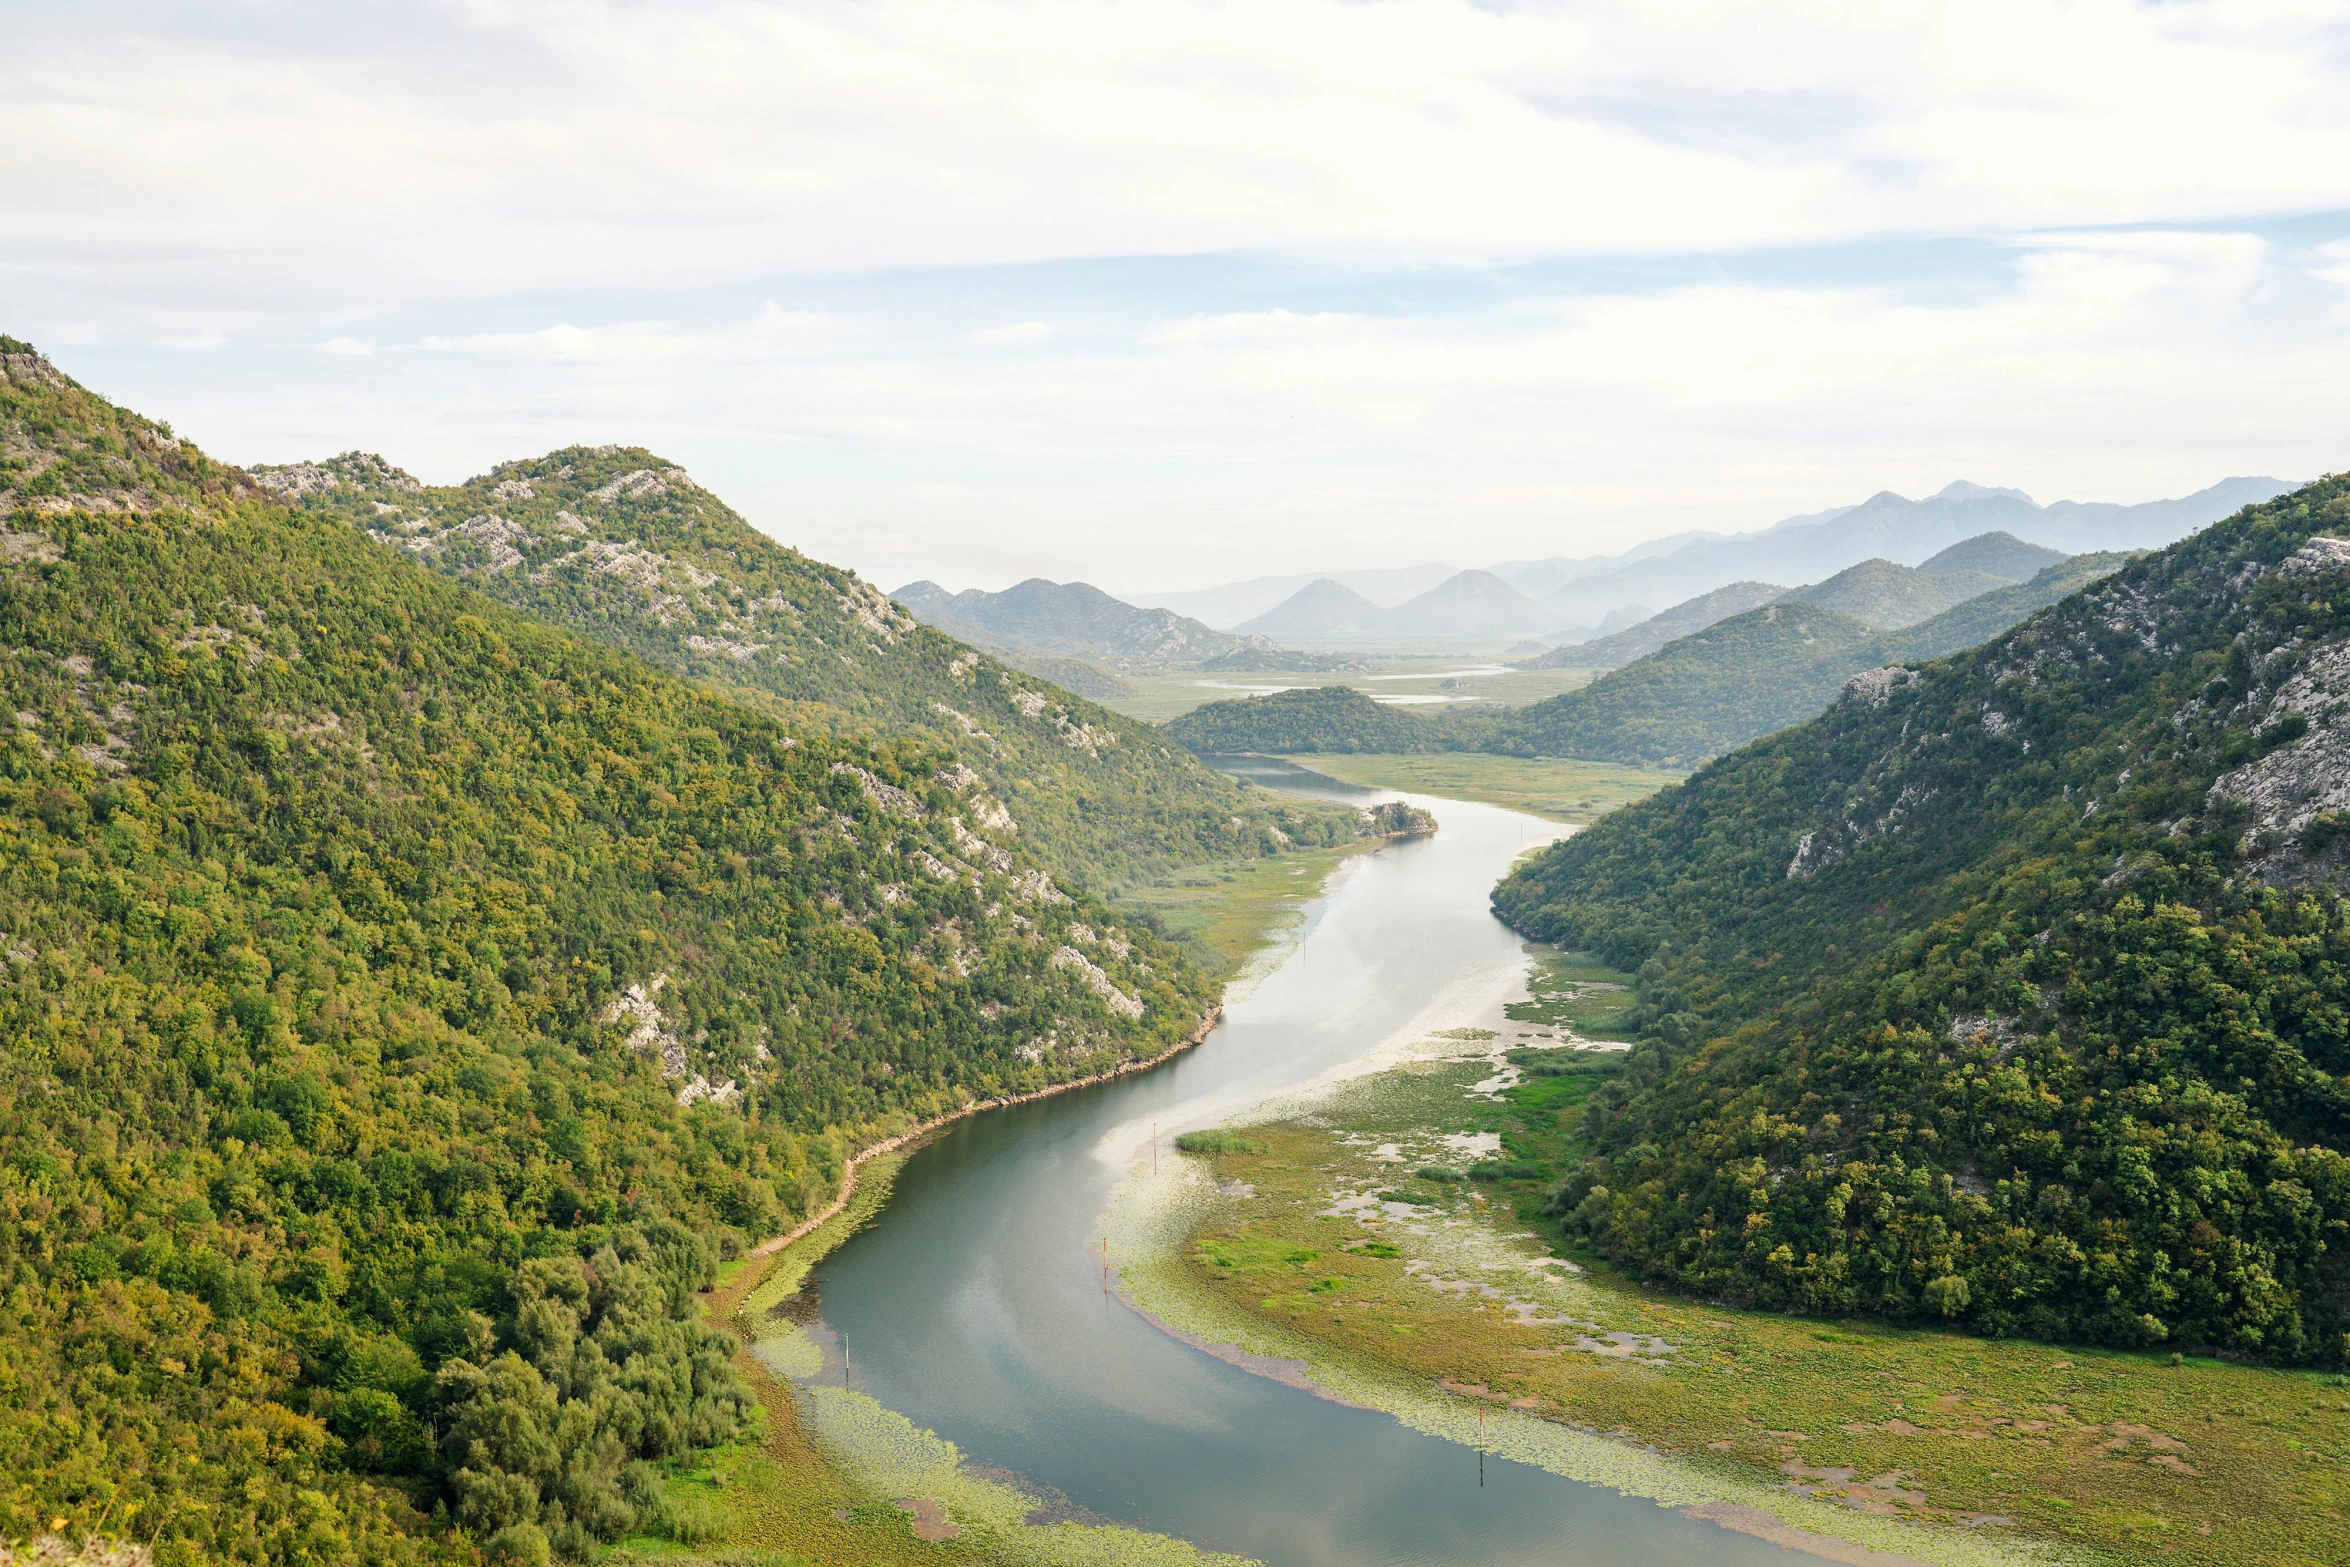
(1745, 677)
(1303, 719)
(2012, 992)
(1999, 553)
(412, 1001)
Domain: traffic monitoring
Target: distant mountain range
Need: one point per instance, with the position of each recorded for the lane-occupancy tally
(1468, 606)
(1740, 674)
(1071, 620)
(1574, 592)
(1877, 594)
(1234, 602)
(1895, 528)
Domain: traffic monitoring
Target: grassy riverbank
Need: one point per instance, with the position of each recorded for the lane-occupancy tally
(1562, 791)
(1233, 917)
(1350, 1223)
(836, 1479)
(789, 1499)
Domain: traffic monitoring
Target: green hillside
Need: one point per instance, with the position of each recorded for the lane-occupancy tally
(1694, 698)
(411, 1002)
(2015, 991)
(1303, 719)
(1888, 596)
(621, 546)
(1979, 619)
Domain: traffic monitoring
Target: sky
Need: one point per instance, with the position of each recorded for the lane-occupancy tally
(1163, 294)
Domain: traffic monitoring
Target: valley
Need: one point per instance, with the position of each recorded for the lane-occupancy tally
(1174, 785)
(458, 932)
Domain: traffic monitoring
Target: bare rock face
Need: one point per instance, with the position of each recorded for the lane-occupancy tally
(2296, 798)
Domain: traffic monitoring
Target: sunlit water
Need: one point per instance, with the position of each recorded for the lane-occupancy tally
(974, 1307)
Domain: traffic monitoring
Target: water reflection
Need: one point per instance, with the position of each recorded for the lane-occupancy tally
(976, 1309)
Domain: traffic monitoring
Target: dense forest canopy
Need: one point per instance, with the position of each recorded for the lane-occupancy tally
(1305, 720)
(2014, 991)
(410, 1002)
(622, 546)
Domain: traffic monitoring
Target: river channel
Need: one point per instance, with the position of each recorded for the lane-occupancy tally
(973, 1306)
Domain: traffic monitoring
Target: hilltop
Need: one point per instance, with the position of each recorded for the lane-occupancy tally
(2013, 991)
(1333, 719)
(1885, 596)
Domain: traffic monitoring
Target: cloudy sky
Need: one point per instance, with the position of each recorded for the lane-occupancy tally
(1160, 294)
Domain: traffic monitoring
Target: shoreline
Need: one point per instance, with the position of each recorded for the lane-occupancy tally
(891, 1144)
(1198, 1036)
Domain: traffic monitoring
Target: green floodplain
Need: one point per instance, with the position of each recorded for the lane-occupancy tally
(1400, 1220)
(1417, 673)
(1389, 1232)
(1555, 788)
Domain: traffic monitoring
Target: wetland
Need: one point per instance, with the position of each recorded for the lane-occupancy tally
(1344, 1330)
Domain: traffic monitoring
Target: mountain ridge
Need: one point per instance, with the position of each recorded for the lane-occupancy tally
(626, 548)
(2010, 992)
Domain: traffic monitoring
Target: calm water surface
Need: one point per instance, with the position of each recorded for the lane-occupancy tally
(972, 1306)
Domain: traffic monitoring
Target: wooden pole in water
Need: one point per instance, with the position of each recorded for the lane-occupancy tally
(1480, 1448)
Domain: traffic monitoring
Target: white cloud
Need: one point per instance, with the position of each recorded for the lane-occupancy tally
(833, 255)
(568, 143)
(2100, 366)
(1015, 333)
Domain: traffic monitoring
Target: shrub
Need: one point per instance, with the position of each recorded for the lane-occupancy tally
(1215, 1141)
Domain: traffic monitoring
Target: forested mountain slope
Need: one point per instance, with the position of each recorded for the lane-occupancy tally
(1999, 552)
(623, 547)
(2013, 991)
(1756, 673)
(409, 1001)
(1305, 719)
(1701, 695)
(1887, 596)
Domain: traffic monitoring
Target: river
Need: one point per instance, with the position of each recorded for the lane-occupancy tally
(973, 1306)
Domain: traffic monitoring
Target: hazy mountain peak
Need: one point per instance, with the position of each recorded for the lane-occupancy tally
(1968, 490)
(1998, 552)
(1322, 608)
